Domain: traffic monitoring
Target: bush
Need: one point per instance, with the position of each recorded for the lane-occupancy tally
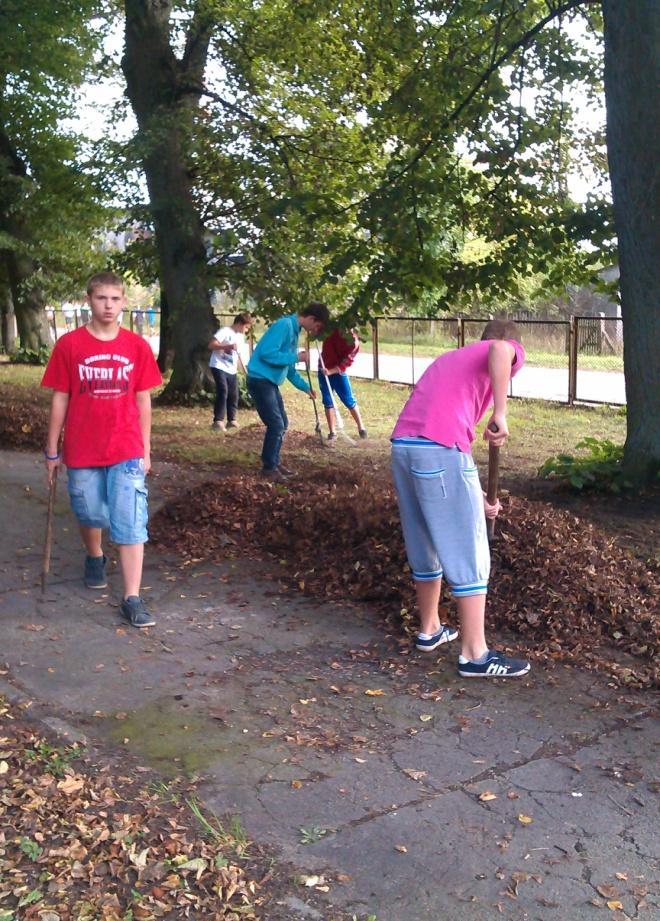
(600, 468)
(245, 401)
(31, 356)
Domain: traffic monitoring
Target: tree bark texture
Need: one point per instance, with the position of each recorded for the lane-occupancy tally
(165, 353)
(632, 78)
(159, 89)
(7, 326)
(29, 303)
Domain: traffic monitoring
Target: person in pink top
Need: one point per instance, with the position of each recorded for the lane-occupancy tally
(101, 375)
(443, 509)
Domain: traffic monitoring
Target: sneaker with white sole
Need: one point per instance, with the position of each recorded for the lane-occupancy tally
(133, 610)
(95, 572)
(497, 665)
(443, 635)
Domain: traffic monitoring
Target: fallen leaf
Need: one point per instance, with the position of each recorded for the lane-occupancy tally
(525, 819)
(487, 796)
(311, 881)
(415, 775)
(4, 767)
(425, 717)
(375, 692)
(607, 890)
(615, 905)
(71, 784)
(401, 848)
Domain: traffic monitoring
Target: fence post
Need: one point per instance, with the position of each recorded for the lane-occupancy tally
(374, 347)
(572, 360)
(412, 352)
(460, 332)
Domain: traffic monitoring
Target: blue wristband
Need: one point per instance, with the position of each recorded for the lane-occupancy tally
(48, 457)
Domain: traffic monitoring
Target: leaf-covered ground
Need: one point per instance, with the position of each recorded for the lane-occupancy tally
(82, 840)
(561, 586)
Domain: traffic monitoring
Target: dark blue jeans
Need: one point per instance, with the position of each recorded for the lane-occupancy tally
(270, 407)
(226, 395)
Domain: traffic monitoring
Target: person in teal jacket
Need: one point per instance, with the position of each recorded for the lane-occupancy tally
(273, 361)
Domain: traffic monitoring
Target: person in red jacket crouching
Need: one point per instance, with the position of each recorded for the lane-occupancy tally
(337, 355)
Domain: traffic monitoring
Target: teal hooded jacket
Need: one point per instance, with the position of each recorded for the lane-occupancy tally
(276, 354)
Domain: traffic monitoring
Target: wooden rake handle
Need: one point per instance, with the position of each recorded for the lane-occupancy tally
(48, 541)
(493, 483)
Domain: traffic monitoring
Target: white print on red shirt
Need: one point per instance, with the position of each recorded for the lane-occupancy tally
(105, 381)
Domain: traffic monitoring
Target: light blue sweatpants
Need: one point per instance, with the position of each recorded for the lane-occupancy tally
(442, 514)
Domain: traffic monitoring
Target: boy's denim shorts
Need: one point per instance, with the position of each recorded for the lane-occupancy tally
(113, 497)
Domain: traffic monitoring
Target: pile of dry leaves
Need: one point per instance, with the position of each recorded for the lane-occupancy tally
(559, 582)
(23, 418)
(80, 842)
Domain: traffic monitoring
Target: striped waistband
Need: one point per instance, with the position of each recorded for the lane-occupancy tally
(415, 441)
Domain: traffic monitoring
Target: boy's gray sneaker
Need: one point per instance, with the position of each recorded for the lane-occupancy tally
(95, 572)
(133, 610)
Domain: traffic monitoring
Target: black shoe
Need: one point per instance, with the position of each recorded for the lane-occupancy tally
(332, 436)
(285, 470)
(133, 610)
(362, 433)
(497, 665)
(95, 572)
(275, 475)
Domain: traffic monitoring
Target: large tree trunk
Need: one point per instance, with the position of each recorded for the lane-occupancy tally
(29, 303)
(632, 76)
(159, 88)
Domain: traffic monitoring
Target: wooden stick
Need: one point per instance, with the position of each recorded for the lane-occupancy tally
(493, 482)
(48, 542)
(317, 427)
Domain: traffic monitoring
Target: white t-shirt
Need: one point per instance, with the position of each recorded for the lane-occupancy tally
(227, 361)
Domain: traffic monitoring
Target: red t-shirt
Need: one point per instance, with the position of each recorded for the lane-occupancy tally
(101, 377)
(337, 352)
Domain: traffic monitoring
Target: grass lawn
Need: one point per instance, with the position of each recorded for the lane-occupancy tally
(183, 435)
(538, 429)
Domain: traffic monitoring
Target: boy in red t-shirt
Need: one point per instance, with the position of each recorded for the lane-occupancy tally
(101, 375)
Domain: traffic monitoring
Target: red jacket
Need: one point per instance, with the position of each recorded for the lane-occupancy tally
(337, 352)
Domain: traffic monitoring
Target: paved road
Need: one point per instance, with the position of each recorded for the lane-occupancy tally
(533, 382)
(346, 757)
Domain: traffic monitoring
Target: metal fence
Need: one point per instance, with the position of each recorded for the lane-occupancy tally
(567, 361)
(574, 360)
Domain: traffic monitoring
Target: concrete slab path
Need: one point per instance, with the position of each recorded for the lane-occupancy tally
(415, 794)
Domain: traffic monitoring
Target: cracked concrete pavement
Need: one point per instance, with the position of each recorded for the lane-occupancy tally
(416, 794)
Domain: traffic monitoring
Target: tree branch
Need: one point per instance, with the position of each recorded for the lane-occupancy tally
(523, 42)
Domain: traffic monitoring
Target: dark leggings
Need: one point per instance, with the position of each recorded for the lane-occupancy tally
(226, 395)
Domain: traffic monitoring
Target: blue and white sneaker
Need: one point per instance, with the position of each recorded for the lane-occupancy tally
(429, 643)
(496, 665)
